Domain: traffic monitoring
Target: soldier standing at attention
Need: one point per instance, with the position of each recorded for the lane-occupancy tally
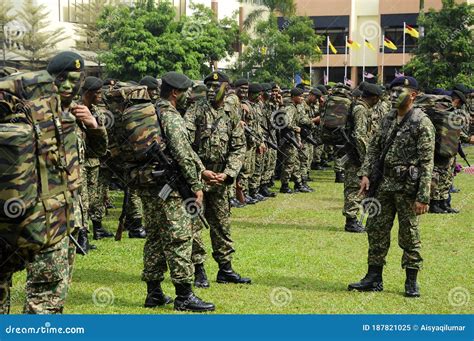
(359, 133)
(405, 144)
(219, 141)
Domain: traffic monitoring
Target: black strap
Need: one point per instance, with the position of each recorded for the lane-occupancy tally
(393, 135)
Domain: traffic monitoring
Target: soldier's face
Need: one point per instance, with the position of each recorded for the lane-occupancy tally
(182, 99)
(402, 97)
(68, 84)
(297, 99)
(243, 91)
(216, 92)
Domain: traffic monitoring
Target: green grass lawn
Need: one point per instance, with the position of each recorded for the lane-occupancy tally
(300, 260)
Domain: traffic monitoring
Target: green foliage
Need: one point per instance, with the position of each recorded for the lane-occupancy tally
(38, 43)
(147, 40)
(6, 16)
(284, 7)
(445, 55)
(274, 55)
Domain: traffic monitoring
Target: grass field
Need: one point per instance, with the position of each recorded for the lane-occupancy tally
(300, 260)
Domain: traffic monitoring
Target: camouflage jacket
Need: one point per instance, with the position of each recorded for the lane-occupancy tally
(413, 145)
(465, 119)
(99, 113)
(232, 106)
(219, 139)
(304, 118)
(381, 109)
(361, 128)
(178, 144)
(251, 118)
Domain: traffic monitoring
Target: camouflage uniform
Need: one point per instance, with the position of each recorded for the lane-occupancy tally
(360, 134)
(248, 166)
(305, 154)
(381, 109)
(256, 178)
(221, 148)
(270, 159)
(168, 226)
(291, 165)
(400, 187)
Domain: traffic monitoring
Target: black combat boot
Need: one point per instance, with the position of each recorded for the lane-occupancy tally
(235, 203)
(227, 275)
(371, 282)
(305, 184)
(200, 277)
(155, 296)
(300, 188)
(186, 300)
(339, 178)
(411, 286)
(249, 200)
(353, 225)
(285, 189)
(266, 192)
(257, 196)
(446, 205)
(135, 228)
(83, 242)
(98, 231)
(436, 207)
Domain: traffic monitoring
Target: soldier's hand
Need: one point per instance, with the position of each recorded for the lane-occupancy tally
(298, 130)
(221, 177)
(199, 197)
(209, 177)
(83, 114)
(364, 185)
(471, 141)
(421, 208)
(317, 120)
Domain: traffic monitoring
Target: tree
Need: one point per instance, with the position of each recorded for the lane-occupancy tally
(147, 40)
(5, 17)
(445, 54)
(284, 7)
(277, 55)
(37, 43)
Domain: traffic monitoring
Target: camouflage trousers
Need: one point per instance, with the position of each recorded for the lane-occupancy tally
(338, 159)
(290, 168)
(269, 166)
(443, 176)
(217, 213)
(319, 154)
(169, 239)
(305, 158)
(380, 223)
(256, 178)
(134, 206)
(95, 190)
(248, 168)
(198, 255)
(352, 199)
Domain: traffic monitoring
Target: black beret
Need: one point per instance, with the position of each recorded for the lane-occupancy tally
(109, 81)
(266, 86)
(275, 86)
(316, 92)
(438, 91)
(462, 88)
(404, 81)
(241, 82)
(356, 93)
(460, 95)
(362, 85)
(177, 80)
(296, 92)
(217, 76)
(255, 88)
(65, 61)
(150, 82)
(92, 84)
(322, 88)
(371, 90)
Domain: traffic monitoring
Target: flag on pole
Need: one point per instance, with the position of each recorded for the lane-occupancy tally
(263, 50)
(398, 74)
(369, 45)
(326, 81)
(368, 75)
(353, 44)
(331, 46)
(389, 44)
(411, 31)
(348, 82)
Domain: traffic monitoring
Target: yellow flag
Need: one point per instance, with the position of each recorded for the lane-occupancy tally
(411, 31)
(331, 46)
(389, 44)
(369, 45)
(318, 49)
(353, 44)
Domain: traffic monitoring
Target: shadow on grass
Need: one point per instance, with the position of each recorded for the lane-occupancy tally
(103, 276)
(301, 283)
(242, 224)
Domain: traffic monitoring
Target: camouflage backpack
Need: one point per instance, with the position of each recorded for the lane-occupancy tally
(335, 115)
(135, 128)
(39, 167)
(445, 120)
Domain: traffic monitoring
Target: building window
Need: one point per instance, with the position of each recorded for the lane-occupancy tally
(337, 36)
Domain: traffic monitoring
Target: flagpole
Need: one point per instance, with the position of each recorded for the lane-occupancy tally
(404, 37)
(363, 64)
(345, 62)
(383, 56)
(327, 53)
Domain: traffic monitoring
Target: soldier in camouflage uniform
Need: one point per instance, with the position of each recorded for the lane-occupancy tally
(290, 168)
(153, 87)
(381, 109)
(49, 275)
(360, 132)
(169, 226)
(219, 141)
(91, 98)
(404, 189)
